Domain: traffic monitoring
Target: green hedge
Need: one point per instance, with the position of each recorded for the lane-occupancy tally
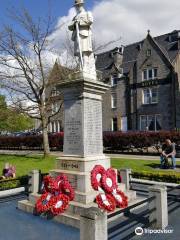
(6, 184)
(159, 177)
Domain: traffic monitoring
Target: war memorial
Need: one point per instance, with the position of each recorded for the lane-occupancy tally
(83, 162)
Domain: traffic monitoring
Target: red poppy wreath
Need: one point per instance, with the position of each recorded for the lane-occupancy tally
(60, 205)
(106, 202)
(109, 181)
(44, 203)
(49, 184)
(96, 176)
(106, 183)
(120, 198)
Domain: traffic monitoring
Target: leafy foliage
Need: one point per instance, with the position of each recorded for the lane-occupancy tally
(12, 120)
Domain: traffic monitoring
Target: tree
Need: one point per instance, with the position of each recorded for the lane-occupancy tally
(24, 68)
(11, 120)
(3, 113)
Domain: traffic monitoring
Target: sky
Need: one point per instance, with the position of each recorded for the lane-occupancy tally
(127, 20)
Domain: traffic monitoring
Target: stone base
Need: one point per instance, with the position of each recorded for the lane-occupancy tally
(78, 171)
(72, 215)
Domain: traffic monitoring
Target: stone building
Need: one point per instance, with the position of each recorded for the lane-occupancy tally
(145, 84)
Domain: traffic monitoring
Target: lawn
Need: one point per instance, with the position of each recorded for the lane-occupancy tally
(139, 165)
(24, 164)
(147, 169)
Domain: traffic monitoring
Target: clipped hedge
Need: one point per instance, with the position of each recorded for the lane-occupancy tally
(31, 142)
(118, 141)
(9, 183)
(139, 140)
(171, 177)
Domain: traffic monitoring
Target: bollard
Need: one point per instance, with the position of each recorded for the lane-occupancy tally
(158, 207)
(34, 181)
(125, 175)
(93, 224)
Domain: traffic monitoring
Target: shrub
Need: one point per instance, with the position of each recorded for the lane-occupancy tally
(119, 141)
(31, 142)
(6, 184)
(159, 177)
(139, 140)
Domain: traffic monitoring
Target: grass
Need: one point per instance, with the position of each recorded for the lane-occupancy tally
(139, 165)
(24, 164)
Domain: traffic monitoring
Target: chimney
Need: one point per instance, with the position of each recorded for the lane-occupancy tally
(117, 54)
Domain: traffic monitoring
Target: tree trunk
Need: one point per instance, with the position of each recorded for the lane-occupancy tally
(45, 138)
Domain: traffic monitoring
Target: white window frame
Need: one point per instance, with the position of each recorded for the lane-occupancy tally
(55, 107)
(147, 70)
(148, 52)
(113, 101)
(150, 97)
(147, 116)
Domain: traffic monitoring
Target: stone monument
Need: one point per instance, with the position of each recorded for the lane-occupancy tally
(83, 143)
(83, 140)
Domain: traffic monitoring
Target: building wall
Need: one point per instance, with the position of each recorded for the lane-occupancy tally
(164, 107)
(120, 111)
(177, 89)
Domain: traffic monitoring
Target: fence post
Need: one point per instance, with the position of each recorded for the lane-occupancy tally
(93, 224)
(34, 181)
(125, 175)
(158, 207)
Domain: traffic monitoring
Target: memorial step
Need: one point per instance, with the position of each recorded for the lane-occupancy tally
(132, 202)
(71, 216)
(65, 218)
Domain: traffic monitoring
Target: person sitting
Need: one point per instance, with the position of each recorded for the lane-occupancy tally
(9, 171)
(168, 150)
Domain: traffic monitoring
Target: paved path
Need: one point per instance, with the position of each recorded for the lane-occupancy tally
(124, 227)
(130, 156)
(17, 225)
(58, 153)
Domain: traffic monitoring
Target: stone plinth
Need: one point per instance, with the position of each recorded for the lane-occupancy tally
(78, 171)
(82, 115)
(83, 140)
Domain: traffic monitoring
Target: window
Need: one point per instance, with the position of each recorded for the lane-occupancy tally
(55, 108)
(124, 125)
(150, 122)
(149, 74)
(148, 53)
(150, 95)
(114, 124)
(113, 101)
(55, 92)
(114, 80)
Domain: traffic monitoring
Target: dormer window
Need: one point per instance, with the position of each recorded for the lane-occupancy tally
(139, 46)
(148, 53)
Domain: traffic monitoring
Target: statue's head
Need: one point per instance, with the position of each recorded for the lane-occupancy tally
(79, 3)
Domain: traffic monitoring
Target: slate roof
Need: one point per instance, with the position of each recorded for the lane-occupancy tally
(169, 48)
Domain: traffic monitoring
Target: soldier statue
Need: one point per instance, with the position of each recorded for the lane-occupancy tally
(82, 37)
